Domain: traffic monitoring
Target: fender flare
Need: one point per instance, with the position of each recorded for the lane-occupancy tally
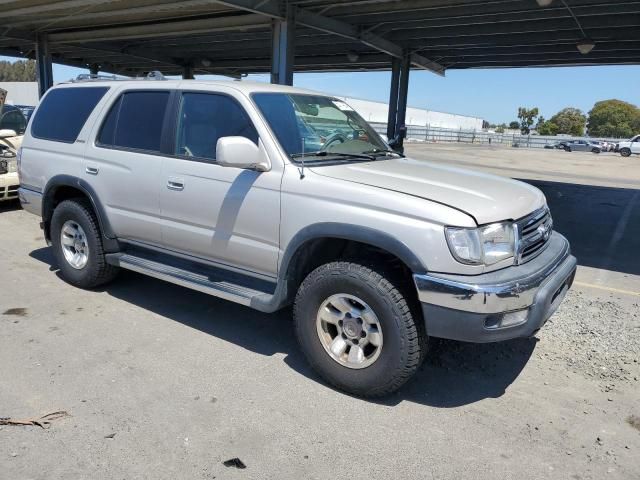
(356, 233)
(109, 238)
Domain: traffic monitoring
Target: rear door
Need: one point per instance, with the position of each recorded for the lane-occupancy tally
(229, 216)
(124, 164)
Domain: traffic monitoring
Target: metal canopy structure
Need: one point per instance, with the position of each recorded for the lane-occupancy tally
(236, 37)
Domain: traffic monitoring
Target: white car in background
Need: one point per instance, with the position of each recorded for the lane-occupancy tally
(629, 147)
(13, 123)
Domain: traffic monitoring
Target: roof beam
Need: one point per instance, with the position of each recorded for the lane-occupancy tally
(49, 7)
(271, 8)
(155, 30)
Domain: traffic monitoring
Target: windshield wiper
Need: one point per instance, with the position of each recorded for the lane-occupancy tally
(324, 153)
(380, 150)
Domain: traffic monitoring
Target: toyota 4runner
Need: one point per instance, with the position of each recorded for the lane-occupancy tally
(269, 196)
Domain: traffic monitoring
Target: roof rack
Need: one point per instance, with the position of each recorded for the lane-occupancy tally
(91, 77)
(87, 77)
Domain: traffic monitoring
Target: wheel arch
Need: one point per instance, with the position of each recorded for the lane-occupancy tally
(65, 187)
(323, 242)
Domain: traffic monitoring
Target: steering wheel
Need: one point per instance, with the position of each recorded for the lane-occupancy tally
(333, 138)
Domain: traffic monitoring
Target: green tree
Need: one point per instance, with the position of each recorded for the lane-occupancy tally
(527, 118)
(570, 121)
(614, 118)
(18, 71)
(547, 127)
(514, 125)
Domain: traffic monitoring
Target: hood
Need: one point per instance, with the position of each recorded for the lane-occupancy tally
(487, 198)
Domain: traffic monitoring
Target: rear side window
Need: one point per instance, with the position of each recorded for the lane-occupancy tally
(135, 121)
(64, 111)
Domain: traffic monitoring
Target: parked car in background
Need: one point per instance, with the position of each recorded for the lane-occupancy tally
(27, 110)
(629, 147)
(12, 127)
(557, 145)
(582, 146)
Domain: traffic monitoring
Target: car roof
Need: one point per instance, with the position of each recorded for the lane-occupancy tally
(244, 86)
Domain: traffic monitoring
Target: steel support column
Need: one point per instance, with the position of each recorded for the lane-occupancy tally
(187, 72)
(282, 49)
(44, 68)
(398, 100)
(393, 98)
(405, 68)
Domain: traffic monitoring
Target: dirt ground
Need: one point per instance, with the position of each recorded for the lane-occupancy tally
(161, 382)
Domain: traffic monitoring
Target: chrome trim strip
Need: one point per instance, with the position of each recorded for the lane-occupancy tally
(512, 294)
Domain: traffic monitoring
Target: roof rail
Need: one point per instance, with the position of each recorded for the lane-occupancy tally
(87, 77)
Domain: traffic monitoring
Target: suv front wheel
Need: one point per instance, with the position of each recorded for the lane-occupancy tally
(77, 245)
(625, 152)
(357, 329)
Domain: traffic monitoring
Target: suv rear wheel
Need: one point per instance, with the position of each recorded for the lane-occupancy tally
(357, 329)
(77, 245)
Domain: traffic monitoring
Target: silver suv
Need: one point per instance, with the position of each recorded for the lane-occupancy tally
(270, 196)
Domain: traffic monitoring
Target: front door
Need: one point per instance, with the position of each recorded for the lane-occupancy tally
(228, 216)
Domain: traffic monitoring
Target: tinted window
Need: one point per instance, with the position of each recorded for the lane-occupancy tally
(204, 118)
(14, 121)
(64, 111)
(135, 121)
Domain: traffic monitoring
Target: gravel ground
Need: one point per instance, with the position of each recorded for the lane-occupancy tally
(598, 339)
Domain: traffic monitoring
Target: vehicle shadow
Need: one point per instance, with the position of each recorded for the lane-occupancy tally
(10, 206)
(453, 374)
(601, 223)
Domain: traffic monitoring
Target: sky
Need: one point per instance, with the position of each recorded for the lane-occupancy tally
(492, 94)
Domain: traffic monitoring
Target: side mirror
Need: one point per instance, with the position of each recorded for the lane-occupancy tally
(240, 152)
(6, 133)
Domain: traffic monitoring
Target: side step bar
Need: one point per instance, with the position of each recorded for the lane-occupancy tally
(185, 278)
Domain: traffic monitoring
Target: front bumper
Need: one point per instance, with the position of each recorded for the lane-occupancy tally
(9, 183)
(470, 308)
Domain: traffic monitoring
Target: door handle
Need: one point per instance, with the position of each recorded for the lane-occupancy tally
(175, 185)
(92, 170)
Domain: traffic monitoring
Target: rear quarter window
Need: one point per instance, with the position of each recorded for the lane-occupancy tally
(64, 111)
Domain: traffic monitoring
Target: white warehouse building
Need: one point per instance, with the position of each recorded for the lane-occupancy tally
(376, 112)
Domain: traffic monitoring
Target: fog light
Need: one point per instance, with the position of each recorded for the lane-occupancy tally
(504, 320)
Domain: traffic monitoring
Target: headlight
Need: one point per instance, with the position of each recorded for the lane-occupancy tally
(483, 245)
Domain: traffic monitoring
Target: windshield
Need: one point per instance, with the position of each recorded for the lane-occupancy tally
(315, 125)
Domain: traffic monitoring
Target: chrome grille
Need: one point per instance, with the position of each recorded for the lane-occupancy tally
(533, 233)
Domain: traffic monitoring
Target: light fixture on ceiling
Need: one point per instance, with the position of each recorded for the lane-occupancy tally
(544, 3)
(353, 57)
(205, 62)
(585, 46)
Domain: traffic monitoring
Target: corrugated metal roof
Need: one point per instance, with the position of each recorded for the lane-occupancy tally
(130, 37)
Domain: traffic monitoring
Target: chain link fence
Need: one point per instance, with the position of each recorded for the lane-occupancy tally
(447, 135)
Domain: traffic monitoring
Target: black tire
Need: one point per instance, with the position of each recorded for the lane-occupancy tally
(567, 149)
(595, 150)
(625, 152)
(97, 271)
(402, 328)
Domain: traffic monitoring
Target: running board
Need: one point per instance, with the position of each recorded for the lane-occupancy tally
(185, 278)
